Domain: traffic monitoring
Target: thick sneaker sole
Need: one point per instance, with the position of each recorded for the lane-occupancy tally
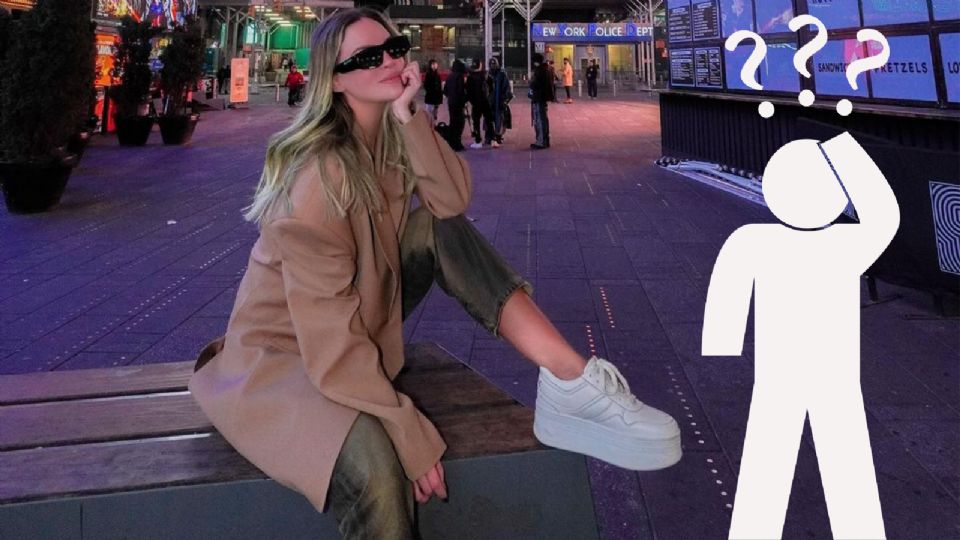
(577, 435)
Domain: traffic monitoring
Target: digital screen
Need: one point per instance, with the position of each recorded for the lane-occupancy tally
(681, 67)
(158, 13)
(836, 14)
(946, 10)
(707, 67)
(678, 21)
(950, 49)
(830, 68)
(736, 15)
(705, 19)
(881, 12)
(734, 62)
(909, 72)
(773, 15)
(777, 72)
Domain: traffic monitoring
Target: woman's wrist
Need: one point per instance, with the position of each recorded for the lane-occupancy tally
(403, 113)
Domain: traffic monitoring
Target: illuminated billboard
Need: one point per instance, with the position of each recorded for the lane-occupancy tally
(160, 13)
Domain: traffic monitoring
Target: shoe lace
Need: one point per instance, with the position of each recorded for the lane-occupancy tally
(613, 382)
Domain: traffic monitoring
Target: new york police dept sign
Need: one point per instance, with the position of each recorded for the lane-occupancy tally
(627, 32)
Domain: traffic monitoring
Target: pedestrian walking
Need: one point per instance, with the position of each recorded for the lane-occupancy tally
(593, 73)
(294, 83)
(567, 78)
(455, 90)
(479, 104)
(498, 90)
(433, 90)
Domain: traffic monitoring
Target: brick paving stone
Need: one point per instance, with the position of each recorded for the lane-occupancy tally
(141, 262)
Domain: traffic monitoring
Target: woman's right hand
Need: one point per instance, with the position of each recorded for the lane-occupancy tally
(431, 483)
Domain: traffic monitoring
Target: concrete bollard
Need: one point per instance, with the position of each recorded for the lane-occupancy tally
(277, 85)
(614, 88)
(579, 87)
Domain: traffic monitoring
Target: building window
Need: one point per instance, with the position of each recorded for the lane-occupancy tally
(414, 35)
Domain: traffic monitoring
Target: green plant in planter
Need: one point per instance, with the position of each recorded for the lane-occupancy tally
(131, 62)
(47, 66)
(182, 61)
(48, 69)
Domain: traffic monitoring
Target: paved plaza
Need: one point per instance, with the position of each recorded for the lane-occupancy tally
(140, 264)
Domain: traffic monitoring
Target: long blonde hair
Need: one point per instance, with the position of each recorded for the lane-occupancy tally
(324, 129)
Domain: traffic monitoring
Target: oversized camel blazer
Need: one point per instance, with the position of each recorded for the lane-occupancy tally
(315, 334)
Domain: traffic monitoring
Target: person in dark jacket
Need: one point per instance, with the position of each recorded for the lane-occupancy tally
(593, 72)
(541, 93)
(433, 88)
(479, 104)
(498, 91)
(456, 92)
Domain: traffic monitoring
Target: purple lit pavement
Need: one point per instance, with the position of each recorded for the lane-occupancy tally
(140, 264)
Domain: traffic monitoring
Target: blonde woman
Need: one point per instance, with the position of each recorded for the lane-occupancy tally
(301, 384)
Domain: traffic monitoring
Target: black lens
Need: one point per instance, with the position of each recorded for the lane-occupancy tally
(397, 46)
(370, 58)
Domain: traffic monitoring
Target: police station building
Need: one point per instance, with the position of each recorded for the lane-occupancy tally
(613, 45)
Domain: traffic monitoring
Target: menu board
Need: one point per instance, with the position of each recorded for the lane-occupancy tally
(705, 19)
(835, 14)
(881, 12)
(950, 49)
(774, 15)
(678, 21)
(681, 67)
(777, 73)
(946, 10)
(909, 72)
(830, 68)
(733, 65)
(708, 68)
(736, 15)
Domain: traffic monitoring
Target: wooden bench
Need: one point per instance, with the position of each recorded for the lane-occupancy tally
(126, 453)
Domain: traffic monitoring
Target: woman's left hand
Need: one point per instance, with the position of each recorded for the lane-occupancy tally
(410, 76)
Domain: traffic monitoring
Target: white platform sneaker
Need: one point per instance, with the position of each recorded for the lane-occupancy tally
(595, 414)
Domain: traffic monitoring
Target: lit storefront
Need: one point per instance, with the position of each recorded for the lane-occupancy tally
(613, 45)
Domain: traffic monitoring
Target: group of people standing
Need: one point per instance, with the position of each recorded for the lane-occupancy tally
(488, 94)
(486, 91)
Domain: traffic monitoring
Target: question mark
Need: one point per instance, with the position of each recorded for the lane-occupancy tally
(748, 74)
(861, 65)
(807, 51)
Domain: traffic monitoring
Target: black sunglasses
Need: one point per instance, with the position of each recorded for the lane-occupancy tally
(372, 57)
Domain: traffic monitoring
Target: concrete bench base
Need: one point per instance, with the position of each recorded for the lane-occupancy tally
(543, 494)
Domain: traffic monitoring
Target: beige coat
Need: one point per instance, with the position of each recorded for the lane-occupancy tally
(567, 75)
(315, 334)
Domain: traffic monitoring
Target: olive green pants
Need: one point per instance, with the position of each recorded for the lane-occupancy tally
(369, 495)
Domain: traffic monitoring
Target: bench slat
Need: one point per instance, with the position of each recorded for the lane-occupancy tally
(108, 467)
(167, 377)
(96, 420)
(88, 383)
(152, 415)
(120, 466)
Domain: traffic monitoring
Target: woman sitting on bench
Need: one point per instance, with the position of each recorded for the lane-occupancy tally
(301, 384)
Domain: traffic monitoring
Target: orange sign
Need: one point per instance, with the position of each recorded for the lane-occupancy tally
(105, 44)
(17, 4)
(239, 70)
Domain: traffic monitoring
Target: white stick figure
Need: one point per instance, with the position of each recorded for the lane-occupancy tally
(805, 277)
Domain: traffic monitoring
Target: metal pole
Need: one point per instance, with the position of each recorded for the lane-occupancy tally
(487, 32)
(503, 40)
(527, 18)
